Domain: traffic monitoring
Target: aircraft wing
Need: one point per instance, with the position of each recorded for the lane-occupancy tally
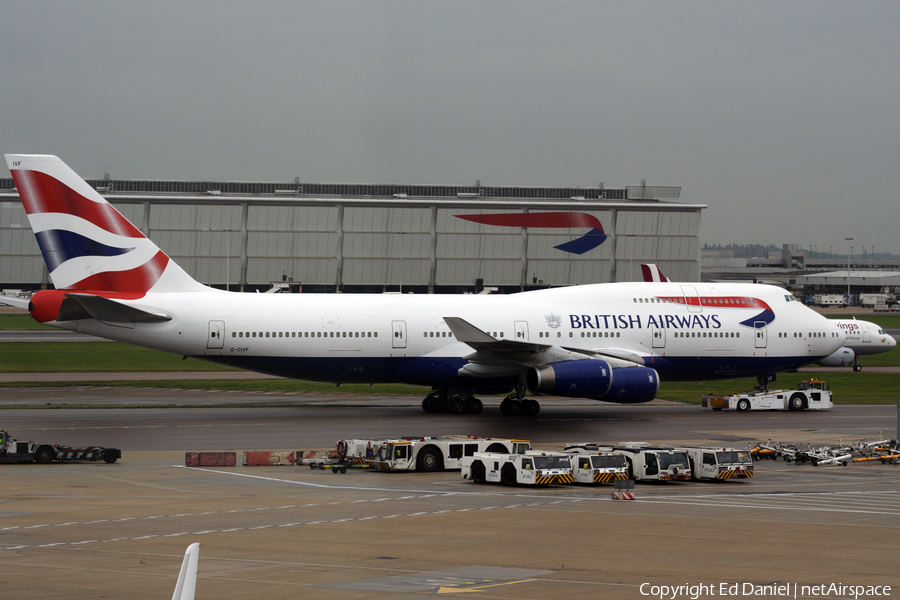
(495, 357)
(89, 306)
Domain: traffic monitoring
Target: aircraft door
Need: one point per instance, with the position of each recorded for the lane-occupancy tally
(867, 335)
(760, 329)
(691, 298)
(399, 334)
(216, 337)
(521, 331)
(659, 337)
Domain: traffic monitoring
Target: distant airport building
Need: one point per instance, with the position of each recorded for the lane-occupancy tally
(853, 278)
(374, 238)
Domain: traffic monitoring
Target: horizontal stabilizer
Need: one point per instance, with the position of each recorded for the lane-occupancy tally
(14, 301)
(88, 306)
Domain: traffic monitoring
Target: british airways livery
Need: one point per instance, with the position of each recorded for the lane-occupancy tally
(611, 342)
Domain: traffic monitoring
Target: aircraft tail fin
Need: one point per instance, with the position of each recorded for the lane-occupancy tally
(87, 244)
(187, 577)
(652, 273)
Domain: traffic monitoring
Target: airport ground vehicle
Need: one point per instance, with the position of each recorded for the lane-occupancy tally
(720, 463)
(811, 393)
(646, 462)
(532, 468)
(589, 465)
(824, 300)
(424, 453)
(871, 300)
(14, 451)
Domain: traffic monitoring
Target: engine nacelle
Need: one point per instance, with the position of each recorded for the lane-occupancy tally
(842, 358)
(595, 379)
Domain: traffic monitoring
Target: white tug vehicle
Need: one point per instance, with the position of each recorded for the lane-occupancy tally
(812, 394)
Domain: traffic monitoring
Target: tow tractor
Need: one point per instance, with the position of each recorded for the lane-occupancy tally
(14, 451)
(532, 468)
(589, 465)
(424, 453)
(811, 394)
(646, 462)
(720, 463)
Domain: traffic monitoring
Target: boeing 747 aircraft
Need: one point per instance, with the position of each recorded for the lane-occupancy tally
(611, 342)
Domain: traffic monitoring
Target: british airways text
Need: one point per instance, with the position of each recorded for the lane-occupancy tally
(637, 321)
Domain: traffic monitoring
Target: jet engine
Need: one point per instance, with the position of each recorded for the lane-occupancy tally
(595, 379)
(842, 358)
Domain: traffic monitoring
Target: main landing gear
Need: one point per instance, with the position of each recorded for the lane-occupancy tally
(452, 401)
(457, 402)
(516, 404)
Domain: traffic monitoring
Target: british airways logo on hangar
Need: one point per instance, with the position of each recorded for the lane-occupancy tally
(551, 220)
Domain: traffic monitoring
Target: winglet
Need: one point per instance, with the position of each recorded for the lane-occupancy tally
(187, 577)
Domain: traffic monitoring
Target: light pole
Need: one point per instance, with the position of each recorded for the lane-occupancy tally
(848, 269)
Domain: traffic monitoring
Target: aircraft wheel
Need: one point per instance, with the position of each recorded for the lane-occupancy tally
(456, 406)
(474, 406)
(514, 408)
(857, 368)
(530, 408)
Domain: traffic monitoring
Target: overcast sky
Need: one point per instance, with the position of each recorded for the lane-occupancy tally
(782, 117)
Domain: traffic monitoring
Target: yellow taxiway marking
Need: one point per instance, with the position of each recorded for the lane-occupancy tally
(478, 588)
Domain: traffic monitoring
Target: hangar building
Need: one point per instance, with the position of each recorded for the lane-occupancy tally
(375, 238)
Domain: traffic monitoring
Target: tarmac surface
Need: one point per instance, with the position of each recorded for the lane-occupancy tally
(96, 530)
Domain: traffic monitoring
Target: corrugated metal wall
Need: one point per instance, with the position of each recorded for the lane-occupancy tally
(335, 243)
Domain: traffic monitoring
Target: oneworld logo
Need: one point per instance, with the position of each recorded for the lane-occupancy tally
(550, 220)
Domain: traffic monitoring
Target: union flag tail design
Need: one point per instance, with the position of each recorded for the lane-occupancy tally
(87, 244)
